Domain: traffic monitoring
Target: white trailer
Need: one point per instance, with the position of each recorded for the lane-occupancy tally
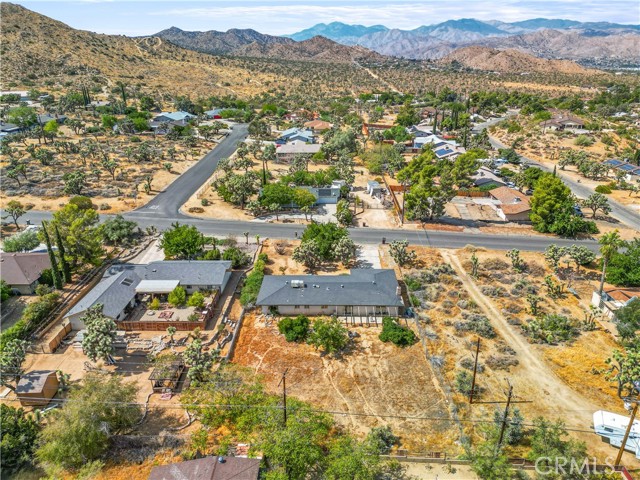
(612, 427)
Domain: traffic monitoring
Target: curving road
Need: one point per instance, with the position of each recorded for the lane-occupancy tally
(168, 202)
(618, 211)
(164, 210)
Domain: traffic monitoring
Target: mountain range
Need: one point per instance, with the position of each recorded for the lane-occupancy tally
(591, 43)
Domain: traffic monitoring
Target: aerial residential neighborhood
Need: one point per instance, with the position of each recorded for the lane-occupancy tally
(397, 251)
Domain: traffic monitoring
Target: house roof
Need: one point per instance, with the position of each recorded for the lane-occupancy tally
(372, 287)
(299, 148)
(118, 286)
(157, 286)
(23, 268)
(318, 125)
(209, 468)
(623, 294)
(511, 201)
(178, 116)
(33, 382)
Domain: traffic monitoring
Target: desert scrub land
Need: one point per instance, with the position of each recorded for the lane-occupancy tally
(119, 172)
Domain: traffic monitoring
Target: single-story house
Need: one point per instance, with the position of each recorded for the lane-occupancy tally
(362, 293)
(485, 177)
(122, 285)
(214, 114)
(447, 152)
(296, 134)
(615, 298)
(22, 271)
(44, 118)
(325, 195)
(37, 388)
(209, 468)
(563, 121)
(286, 153)
(632, 172)
(374, 188)
(318, 125)
(613, 428)
(182, 117)
(512, 205)
(8, 129)
(23, 94)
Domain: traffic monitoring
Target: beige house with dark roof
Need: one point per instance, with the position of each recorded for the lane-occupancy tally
(22, 271)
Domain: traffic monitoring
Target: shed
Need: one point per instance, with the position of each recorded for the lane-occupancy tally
(373, 188)
(165, 376)
(37, 388)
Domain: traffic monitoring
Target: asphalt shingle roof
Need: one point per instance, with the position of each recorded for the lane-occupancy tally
(371, 287)
(23, 268)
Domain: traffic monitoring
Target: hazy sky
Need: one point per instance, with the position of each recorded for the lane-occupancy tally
(287, 16)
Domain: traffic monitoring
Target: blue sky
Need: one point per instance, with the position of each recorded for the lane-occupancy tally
(287, 16)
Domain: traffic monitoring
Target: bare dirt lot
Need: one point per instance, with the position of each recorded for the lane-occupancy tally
(375, 384)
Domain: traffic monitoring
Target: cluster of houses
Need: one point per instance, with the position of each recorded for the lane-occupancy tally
(41, 119)
(300, 141)
(631, 171)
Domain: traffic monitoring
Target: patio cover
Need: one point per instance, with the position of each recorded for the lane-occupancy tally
(157, 286)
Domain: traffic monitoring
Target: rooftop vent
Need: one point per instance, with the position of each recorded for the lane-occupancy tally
(341, 286)
(297, 283)
(221, 459)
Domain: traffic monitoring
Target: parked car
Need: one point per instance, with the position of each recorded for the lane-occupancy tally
(578, 211)
(529, 192)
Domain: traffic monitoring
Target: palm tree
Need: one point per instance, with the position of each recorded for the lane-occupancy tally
(610, 243)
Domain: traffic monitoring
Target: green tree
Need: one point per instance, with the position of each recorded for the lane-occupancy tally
(19, 433)
(329, 335)
(177, 297)
(117, 230)
(51, 128)
(628, 320)
(21, 242)
(5, 291)
(303, 199)
(595, 202)
(79, 432)
(554, 254)
(308, 253)
(100, 334)
(610, 244)
(182, 242)
(624, 368)
(622, 267)
(345, 250)
(344, 215)
(78, 229)
(12, 357)
(550, 197)
(325, 235)
(407, 116)
(198, 360)
(580, 255)
(294, 329)
(66, 268)
(196, 300)
(276, 193)
(74, 182)
(399, 251)
(15, 210)
(548, 444)
(489, 461)
(57, 278)
(23, 117)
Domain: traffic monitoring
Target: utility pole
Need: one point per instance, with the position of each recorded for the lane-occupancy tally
(283, 381)
(475, 370)
(506, 416)
(628, 431)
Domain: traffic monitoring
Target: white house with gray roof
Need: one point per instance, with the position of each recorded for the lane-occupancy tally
(362, 293)
(122, 285)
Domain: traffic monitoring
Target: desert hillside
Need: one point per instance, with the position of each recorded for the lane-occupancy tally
(512, 61)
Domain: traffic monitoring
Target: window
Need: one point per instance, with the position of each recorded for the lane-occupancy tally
(306, 307)
(296, 307)
(324, 306)
(188, 287)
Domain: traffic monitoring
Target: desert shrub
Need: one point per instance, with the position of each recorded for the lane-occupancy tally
(494, 292)
(177, 297)
(396, 333)
(501, 362)
(237, 257)
(583, 141)
(468, 363)
(605, 189)
(504, 348)
(196, 300)
(494, 264)
(412, 283)
(294, 329)
(415, 300)
(204, 202)
(476, 323)
(550, 329)
(253, 283)
(463, 383)
(381, 439)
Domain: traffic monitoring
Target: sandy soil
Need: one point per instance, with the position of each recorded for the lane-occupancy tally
(376, 382)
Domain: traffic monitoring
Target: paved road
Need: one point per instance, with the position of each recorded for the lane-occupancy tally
(359, 235)
(168, 202)
(618, 211)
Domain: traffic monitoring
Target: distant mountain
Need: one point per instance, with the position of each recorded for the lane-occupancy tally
(316, 49)
(219, 42)
(337, 31)
(592, 43)
(510, 61)
(249, 43)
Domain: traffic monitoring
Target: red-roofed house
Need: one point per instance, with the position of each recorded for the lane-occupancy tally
(614, 299)
(511, 205)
